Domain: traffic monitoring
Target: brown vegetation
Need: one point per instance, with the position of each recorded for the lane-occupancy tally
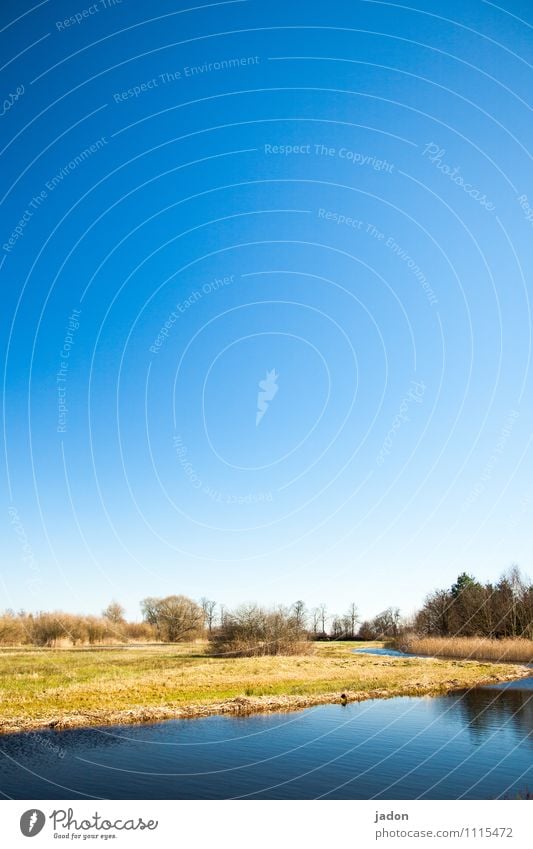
(468, 609)
(252, 631)
(174, 618)
(59, 628)
(475, 648)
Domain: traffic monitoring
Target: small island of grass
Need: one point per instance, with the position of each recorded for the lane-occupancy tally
(76, 687)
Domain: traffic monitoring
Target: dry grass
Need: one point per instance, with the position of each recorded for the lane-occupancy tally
(69, 687)
(474, 648)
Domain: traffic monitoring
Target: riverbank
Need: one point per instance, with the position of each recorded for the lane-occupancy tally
(67, 688)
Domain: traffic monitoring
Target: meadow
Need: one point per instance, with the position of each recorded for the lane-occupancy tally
(72, 687)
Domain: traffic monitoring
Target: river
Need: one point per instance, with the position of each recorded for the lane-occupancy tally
(472, 745)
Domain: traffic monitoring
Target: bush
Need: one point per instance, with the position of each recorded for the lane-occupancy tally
(45, 628)
(12, 631)
(252, 631)
(138, 631)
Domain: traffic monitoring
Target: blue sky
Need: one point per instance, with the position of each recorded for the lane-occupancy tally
(335, 194)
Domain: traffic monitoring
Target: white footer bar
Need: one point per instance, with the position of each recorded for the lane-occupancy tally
(266, 824)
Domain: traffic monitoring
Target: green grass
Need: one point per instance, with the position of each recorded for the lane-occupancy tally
(38, 686)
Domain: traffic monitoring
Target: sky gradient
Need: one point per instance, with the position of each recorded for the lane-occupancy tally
(332, 200)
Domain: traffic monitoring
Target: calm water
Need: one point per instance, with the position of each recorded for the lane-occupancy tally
(478, 745)
(388, 653)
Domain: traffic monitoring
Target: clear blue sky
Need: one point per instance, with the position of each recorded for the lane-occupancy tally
(335, 194)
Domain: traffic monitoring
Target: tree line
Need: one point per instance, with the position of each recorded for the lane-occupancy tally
(249, 628)
(468, 608)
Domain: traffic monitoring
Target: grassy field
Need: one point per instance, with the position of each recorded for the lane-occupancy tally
(77, 687)
(476, 648)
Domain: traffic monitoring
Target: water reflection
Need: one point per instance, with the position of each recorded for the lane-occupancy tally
(476, 744)
(490, 709)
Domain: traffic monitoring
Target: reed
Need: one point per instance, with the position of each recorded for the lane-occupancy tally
(515, 650)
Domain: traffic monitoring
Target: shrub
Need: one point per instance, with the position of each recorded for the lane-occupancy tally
(138, 631)
(45, 628)
(12, 631)
(252, 631)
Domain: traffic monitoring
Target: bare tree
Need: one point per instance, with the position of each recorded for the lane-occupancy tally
(300, 613)
(208, 608)
(337, 628)
(434, 618)
(366, 631)
(114, 613)
(518, 589)
(149, 608)
(351, 619)
(323, 615)
(176, 617)
(387, 623)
